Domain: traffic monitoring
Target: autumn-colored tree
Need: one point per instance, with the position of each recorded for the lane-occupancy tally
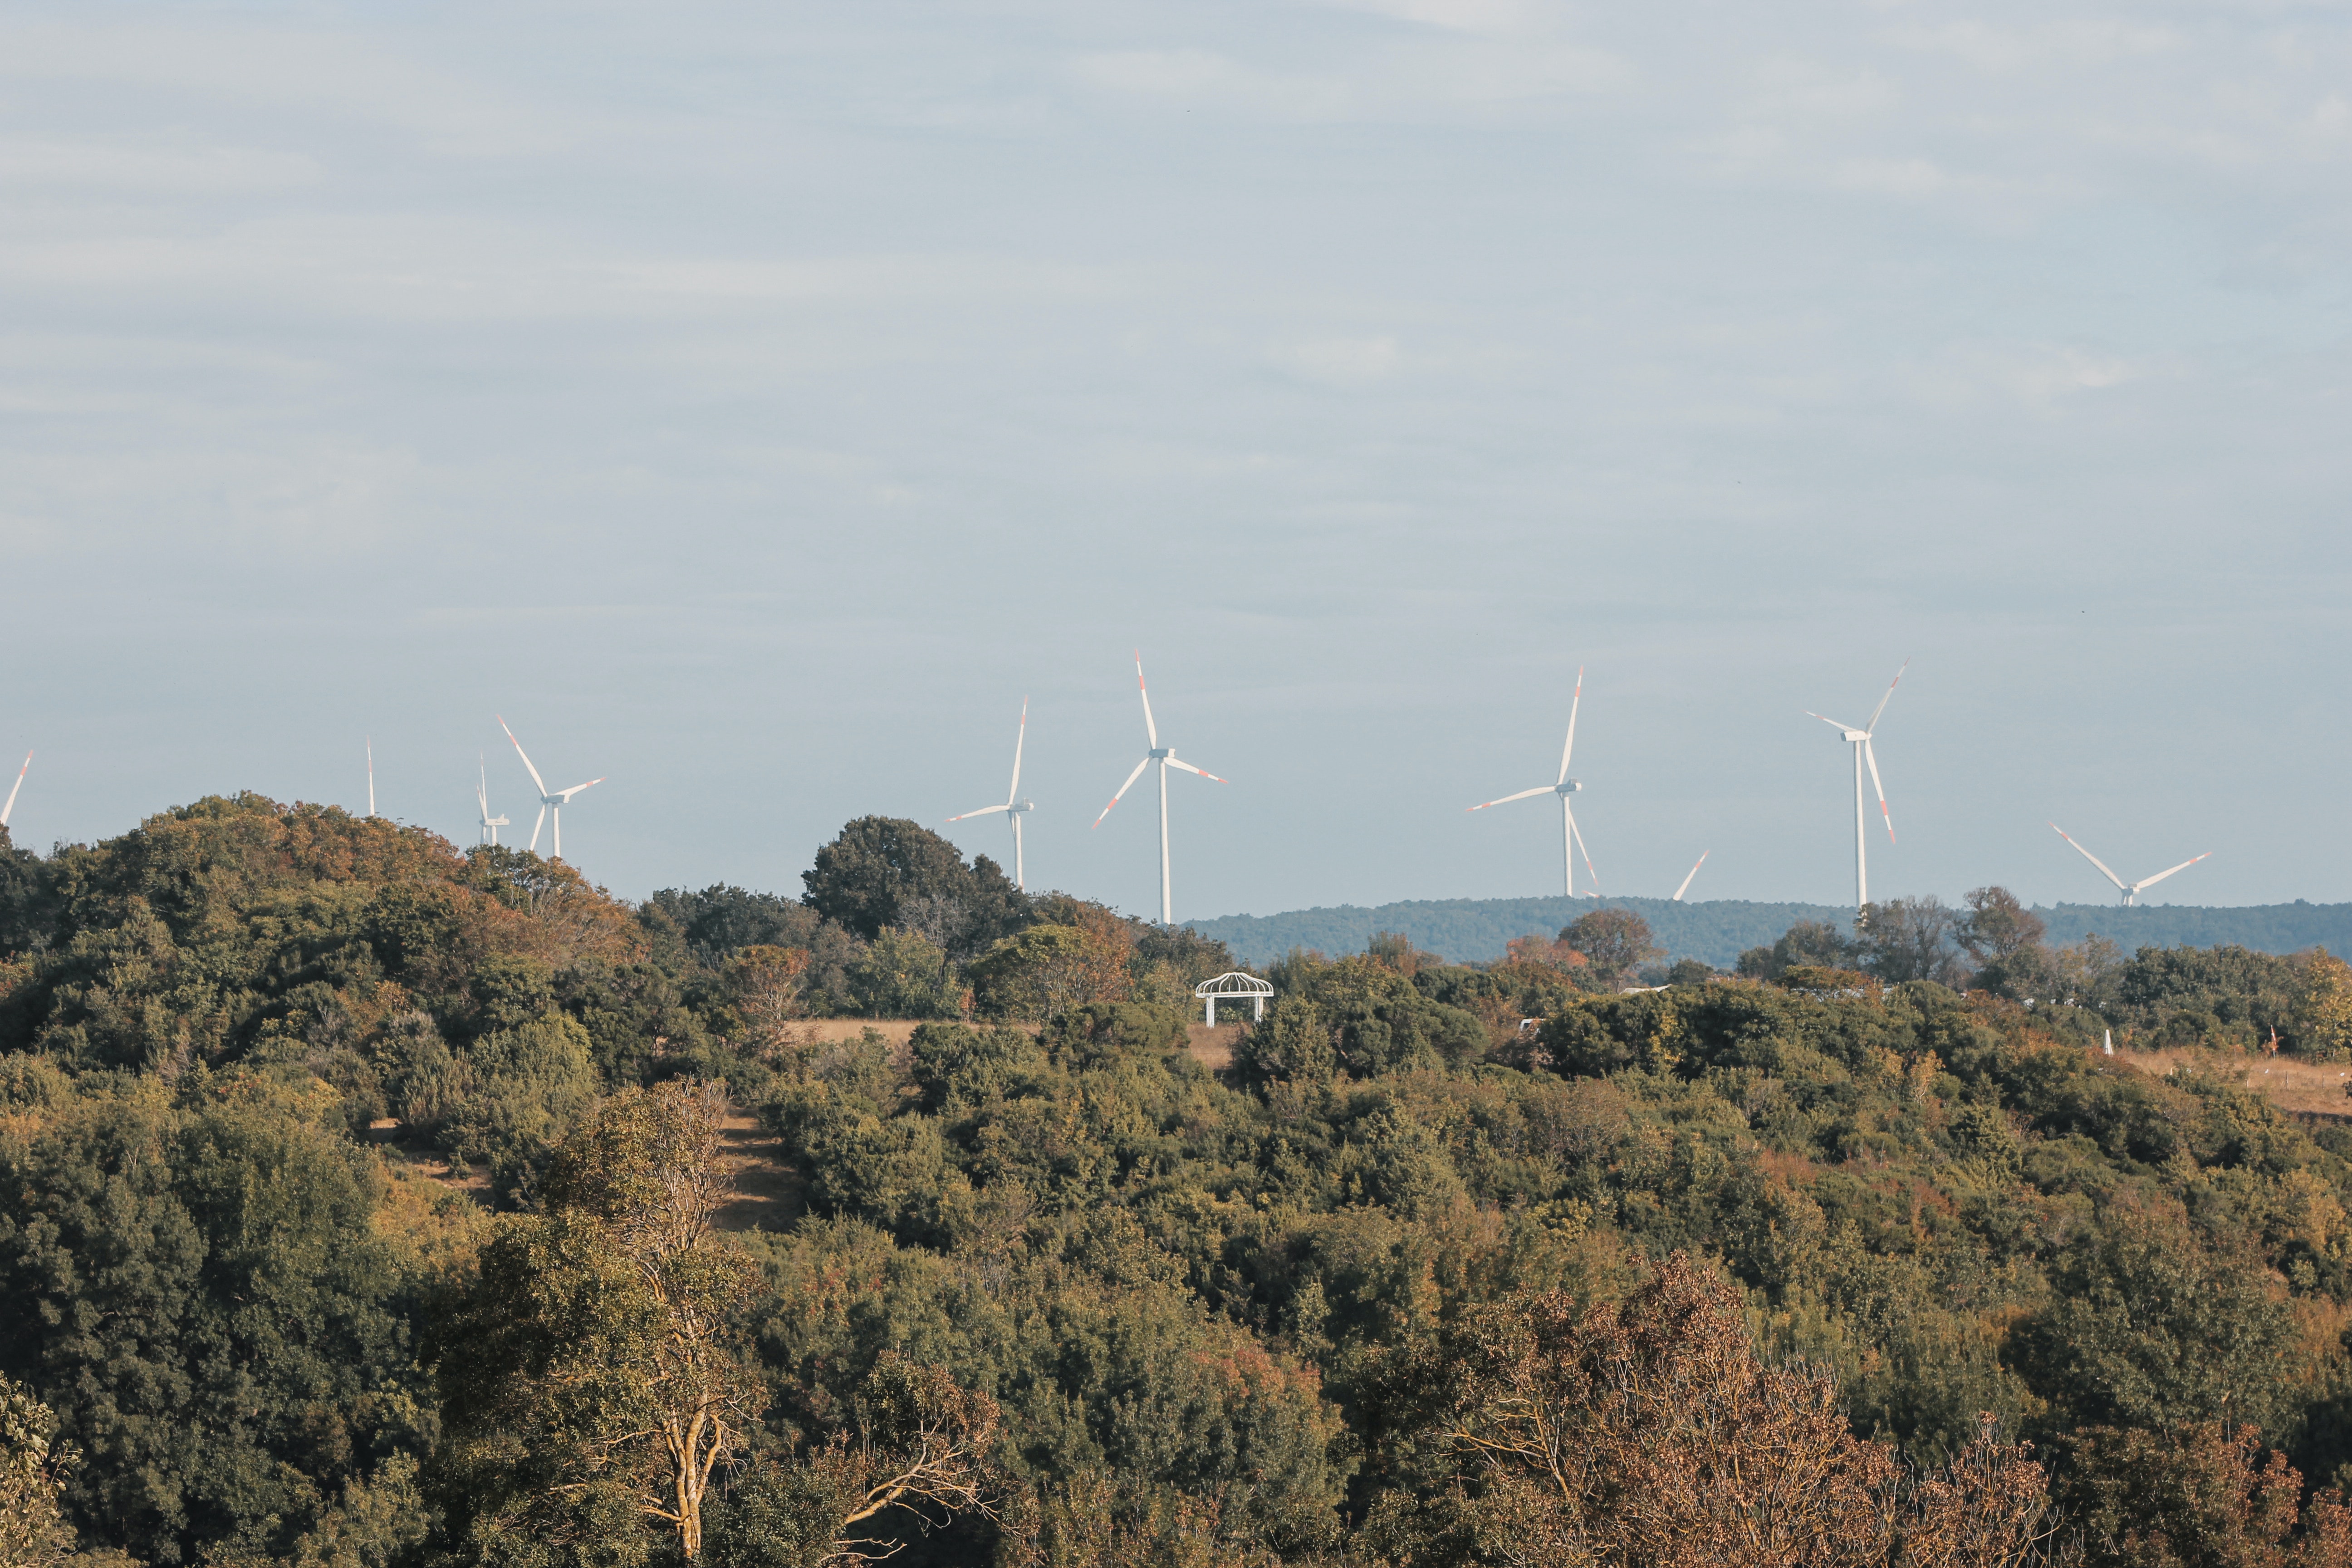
(764, 984)
(33, 1532)
(1648, 1431)
(2323, 1020)
(598, 1372)
(1549, 952)
(2203, 1496)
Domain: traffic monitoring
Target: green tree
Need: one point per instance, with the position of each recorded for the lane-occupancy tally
(900, 975)
(596, 1377)
(885, 871)
(2150, 1326)
(1998, 925)
(1911, 939)
(201, 1296)
(1615, 941)
(1811, 943)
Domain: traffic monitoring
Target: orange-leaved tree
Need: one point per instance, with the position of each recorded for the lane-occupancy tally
(1648, 1431)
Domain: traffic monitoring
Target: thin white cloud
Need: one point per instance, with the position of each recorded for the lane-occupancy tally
(179, 171)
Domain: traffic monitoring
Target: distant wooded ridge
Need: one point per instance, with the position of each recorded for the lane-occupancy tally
(1477, 930)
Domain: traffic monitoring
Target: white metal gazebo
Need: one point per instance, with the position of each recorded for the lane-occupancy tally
(1231, 986)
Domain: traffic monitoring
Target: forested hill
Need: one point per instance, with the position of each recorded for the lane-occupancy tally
(1476, 931)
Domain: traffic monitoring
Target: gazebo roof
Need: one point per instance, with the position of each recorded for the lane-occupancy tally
(1234, 982)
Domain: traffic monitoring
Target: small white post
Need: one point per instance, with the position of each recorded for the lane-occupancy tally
(1213, 1012)
(1258, 1009)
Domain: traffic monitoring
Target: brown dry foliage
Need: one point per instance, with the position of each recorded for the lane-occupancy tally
(2203, 1497)
(1647, 1432)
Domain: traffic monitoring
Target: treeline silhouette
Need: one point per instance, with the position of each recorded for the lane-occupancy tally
(367, 1202)
(1716, 931)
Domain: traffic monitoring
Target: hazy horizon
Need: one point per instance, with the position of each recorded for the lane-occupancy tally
(754, 406)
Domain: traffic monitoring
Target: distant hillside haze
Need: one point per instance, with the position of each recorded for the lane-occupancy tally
(1478, 931)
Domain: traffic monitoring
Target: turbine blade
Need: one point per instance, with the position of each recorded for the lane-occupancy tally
(2161, 875)
(1694, 872)
(1882, 701)
(1124, 788)
(1581, 850)
(1573, 702)
(1020, 740)
(526, 762)
(1149, 729)
(1191, 769)
(5, 810)
(536, 826)
(1825, 719)
(1871, 757)
(1539, 789)
(565, 795)
(984, 811)
(2093, 859)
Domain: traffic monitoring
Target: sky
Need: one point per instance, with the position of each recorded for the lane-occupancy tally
(755, 404)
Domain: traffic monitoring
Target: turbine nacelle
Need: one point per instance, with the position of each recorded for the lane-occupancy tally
(1166, 757)
(1571, 842)
(1858, 737)
(1013, 805)
(548, 803)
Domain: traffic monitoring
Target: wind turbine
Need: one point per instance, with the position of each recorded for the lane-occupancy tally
(2130, 890)
(1863, 754)
(1015, 807)
(1166, 757)
(5, 810)
(1571, 842)
(547, 802)
(490, 824)
(1694, 873)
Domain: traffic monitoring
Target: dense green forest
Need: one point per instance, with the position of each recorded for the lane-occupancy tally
(1716, 931)
(364, 1202)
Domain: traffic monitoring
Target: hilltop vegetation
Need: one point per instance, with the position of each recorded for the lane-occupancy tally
(357, 1205)
(1716, 931)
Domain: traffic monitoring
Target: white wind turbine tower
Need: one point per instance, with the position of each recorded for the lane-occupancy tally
(2130, 890)
(490, 824)
(547, 802)
(1863, 756)
(5, 810)
(1015, 807)
(1571, 842)
(1166, 757)
(371, 757)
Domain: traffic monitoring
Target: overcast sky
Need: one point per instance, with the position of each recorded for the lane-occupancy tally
(754, 403)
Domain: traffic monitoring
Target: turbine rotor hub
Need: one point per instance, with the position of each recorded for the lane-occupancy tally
(1161, 753)
(1568, 786)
